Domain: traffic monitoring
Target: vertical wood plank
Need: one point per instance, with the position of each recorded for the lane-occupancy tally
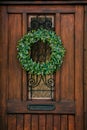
(3, 65)
(58, 24)
(56, 122)
(79, 66)
(85, 70)
(11, 122)
(20, 122)
(64, 122)
(24, 91)
(35, 122)
(71, 122)
(67, 71)
(42, 122)
(57, 76)
(27, 122)
(49, 122)
(14, 67)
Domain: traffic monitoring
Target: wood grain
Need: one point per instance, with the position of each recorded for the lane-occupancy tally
(64, 122)
(85, 70)
(50, 2)
(79, 67)
(49, 122)
(67, 72)
(3, 66)
(71, 122)
(42, 122)
(41, 9)
(27, 122)
(35, 123)
(14, 67)
(57, 122)
(12, 122)
(20, 122)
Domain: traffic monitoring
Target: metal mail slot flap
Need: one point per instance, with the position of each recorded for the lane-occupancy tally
(41, 107)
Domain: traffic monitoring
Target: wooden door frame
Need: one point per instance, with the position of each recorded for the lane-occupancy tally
(49, 2)
(4, 47)
(85, 69)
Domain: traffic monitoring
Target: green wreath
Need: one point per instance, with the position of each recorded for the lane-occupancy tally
(47, 37)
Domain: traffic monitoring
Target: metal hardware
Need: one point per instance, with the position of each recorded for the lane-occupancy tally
(41, 87)
(41, 107)
(41, 21)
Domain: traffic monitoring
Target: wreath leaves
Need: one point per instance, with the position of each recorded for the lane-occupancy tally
(47, 37)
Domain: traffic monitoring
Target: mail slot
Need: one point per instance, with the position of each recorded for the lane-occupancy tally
(41, 107)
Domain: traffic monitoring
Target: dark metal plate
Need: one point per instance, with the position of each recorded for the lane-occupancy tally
(41, 107)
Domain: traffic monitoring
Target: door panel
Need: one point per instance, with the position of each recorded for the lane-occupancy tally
(14, 31)
(68, 70)
(68, 113)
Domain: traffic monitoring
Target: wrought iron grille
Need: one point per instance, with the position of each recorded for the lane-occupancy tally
(40, 87)
(41, 21)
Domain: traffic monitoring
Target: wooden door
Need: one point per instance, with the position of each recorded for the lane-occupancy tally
(68, 113)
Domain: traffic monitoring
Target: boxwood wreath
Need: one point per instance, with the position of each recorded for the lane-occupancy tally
(47, 37)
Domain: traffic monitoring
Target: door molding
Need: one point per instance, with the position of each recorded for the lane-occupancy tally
(50, 2)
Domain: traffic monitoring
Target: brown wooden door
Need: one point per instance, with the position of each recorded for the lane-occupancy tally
(68, 114)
